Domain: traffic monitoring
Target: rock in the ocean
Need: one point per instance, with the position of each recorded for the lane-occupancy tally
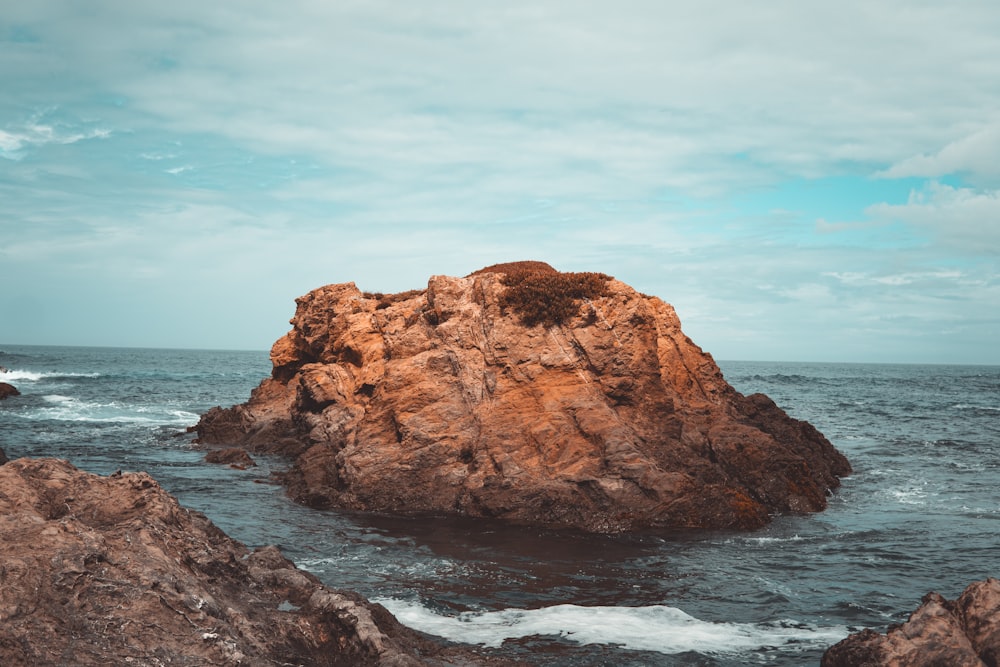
(525, 394)
(234, 456)
(8, 390)
(112, 571)
(3, 457)
(963, 633)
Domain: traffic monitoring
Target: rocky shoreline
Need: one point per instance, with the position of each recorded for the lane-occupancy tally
(960, 633)
(113, 571)
(523, 394)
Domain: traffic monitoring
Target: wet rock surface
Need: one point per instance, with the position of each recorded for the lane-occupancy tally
(232, 456)
(593, 412)
(8, 390)
(960, 633)
(113, 571)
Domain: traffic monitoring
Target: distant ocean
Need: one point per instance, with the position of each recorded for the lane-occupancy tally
(921, 513)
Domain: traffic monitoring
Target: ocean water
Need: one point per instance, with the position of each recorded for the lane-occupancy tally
(920, 513)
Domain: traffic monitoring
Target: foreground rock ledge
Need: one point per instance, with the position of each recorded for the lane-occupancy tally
(444, 401)
(112, 571)
(963, 633)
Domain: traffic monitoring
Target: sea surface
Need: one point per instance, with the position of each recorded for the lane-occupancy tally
(920, 513)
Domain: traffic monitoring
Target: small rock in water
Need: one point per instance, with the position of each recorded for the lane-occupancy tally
(965, 632)
(234, 456)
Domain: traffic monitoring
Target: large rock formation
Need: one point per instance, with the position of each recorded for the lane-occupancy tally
(963, 633)
(112, 571)
(525, 394)
(8, 390)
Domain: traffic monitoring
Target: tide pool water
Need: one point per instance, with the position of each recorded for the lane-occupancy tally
(920, 513)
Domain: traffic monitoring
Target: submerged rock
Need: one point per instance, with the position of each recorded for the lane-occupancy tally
(234, 456)
(963, 633)
(525, 394)
(113, 571)
(8, 390)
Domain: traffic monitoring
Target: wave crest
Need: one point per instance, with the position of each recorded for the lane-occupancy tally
(658, 628)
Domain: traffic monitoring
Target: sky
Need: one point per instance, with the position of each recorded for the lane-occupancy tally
(802, 180)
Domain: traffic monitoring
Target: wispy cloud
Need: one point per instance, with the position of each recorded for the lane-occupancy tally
(17, 140)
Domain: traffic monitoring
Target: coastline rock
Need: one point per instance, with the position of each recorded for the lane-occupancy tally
(3, 457)
(8, 390)
(963, 633)
(233, 456)
(112, 570)
(524, 394)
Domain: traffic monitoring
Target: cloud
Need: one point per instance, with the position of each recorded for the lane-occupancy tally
(18, 140)
(250, 147)
(973, 156)
(708, 99)
(963, 220)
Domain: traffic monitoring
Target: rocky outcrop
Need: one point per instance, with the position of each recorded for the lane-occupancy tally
(962, 633)
(233, 456)
(112, 571)
(3, 457)
(527, 395)
(8, 390)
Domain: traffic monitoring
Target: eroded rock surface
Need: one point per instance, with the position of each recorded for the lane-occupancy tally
(962, 633)
(444, 401)
(112, 571)
(8, 390)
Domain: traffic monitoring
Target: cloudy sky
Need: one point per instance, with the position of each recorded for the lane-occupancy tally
(803, 180)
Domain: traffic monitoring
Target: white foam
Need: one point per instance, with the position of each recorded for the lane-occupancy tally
(966, 406)
(14, 374)
(69, 408)
(771, 540)
(657, 628)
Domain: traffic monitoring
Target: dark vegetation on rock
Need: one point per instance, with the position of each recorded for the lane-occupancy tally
(960, 633)
(452, 400)
(549, 298)
(98, 571)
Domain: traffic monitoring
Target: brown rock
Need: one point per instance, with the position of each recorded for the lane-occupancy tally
(603, 416)
(3, 457)
(233, 456)
(8, 390)
(963, 633)
(112, 571)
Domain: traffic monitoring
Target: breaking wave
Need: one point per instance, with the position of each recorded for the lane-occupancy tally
(69, 408)
(15, 375)
(658, 628)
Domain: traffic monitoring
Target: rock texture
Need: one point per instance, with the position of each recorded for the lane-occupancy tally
(444, 401)
(3, 457)
(8, 390)
(963, 633)
(112, 571)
